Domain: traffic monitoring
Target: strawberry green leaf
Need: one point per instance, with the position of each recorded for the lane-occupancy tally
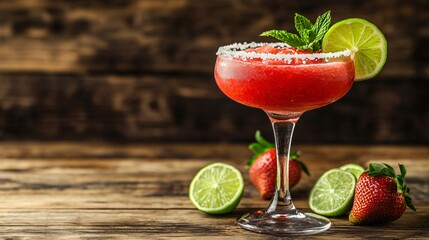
(389, 169)
(406, 190)
(371, 167)
(262, 141)
(400, 180)
(294, 155)
(403, 170)
(262, 145)
(376, 167)
(256, 148)
(303, 167)
(259, 147)
(250, 162)
(410, 204)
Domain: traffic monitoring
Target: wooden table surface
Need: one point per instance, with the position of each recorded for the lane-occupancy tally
(86, 190)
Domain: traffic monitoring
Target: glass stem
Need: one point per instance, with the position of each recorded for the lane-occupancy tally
(283, 127)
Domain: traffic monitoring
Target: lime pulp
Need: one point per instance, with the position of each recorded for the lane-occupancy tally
(366, 42)
(217, 188)
(332, 195)
(354, 169)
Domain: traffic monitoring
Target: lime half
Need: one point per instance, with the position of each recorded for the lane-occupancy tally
(364, 39)
(354, 169)
(332, 195)
(217, 188)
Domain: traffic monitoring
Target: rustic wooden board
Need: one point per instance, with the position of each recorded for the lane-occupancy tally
(174, 223)
(69, 190)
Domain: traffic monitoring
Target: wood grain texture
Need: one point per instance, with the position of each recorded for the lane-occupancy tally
(87, 190)
(188, 224)
(176, 36)
(142, 71)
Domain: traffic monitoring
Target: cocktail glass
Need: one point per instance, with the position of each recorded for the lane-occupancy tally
(284, 86)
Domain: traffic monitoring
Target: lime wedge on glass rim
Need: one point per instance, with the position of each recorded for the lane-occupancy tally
(354, 169)
(366, 42)
(217, 188)
(332, 195)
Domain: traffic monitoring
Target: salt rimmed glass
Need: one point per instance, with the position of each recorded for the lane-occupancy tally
(284, 85)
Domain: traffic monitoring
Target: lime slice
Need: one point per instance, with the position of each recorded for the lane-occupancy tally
(217, 188)
(354, 169)
(364, 39)
(332, 195)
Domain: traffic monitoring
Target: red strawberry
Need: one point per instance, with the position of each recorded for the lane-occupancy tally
(381, 196)
(263, 167)
(295, 170)
(263, 173)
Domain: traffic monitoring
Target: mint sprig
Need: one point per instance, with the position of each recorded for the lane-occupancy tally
(309, 35)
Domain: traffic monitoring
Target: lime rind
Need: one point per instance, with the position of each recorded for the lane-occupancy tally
(217, 188)
(332, 195)
(364, 39)
(354, 169)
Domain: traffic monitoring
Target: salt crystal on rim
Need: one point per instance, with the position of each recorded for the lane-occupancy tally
(237, 50)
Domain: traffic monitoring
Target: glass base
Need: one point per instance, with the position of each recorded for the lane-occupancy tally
(282, 222)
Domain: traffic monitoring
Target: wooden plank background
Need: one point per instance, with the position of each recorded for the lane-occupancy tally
(142, 71)
(69, 190)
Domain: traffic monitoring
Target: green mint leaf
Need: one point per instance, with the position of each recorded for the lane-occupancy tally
(284, 36)
(316, 46)
(322, 25)
(306, 36)
(302, 25)
(309, 35)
